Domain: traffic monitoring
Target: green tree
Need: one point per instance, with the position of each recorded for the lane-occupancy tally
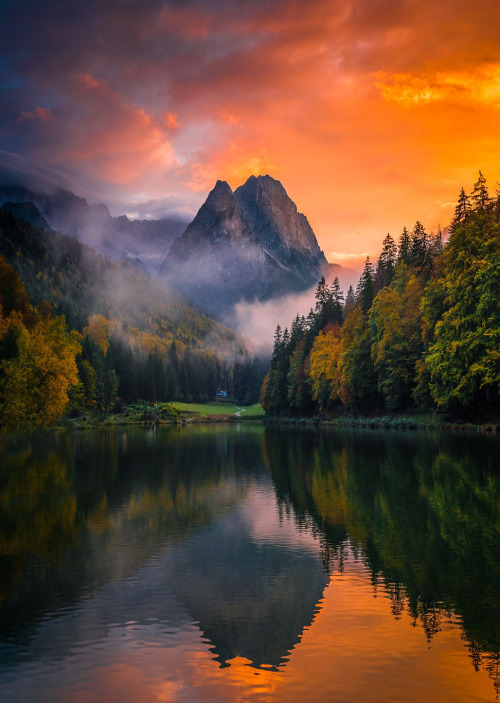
(357, 378)
(365, 291)
(396, 322)
(462, 209)
(464, 357)
(480, 197)
(404, 249)
(386, 263)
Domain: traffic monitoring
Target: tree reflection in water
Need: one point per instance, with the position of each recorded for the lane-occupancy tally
(422, 510)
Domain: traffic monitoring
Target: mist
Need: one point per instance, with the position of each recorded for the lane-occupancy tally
(257, 321)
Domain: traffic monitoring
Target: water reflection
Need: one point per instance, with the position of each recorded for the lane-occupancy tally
(423, 512)
(222, 542)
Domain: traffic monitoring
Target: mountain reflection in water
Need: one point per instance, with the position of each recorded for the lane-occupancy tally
(218, 544)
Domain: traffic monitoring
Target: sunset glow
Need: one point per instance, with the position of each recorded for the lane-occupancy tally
(372, 114)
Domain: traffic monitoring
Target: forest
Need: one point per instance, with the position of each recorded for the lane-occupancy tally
(421, 333)
(82, 336)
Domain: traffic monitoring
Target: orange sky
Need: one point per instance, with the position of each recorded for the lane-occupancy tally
(372, 113)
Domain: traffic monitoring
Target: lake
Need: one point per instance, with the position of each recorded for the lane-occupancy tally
(245, 563)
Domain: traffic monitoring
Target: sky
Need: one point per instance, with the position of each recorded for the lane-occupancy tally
(372, 113)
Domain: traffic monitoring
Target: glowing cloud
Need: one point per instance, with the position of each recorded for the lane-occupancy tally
(481, 86)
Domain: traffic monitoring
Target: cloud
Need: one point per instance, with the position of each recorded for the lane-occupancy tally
(112, 138)
(481, 86)
(38, 113)
(151, 101)
(258, 321)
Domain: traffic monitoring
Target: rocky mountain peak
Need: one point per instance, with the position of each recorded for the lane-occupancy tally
(274, 216)
(219, 220)
(247, 245)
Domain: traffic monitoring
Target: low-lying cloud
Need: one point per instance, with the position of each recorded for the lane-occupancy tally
(257, 321)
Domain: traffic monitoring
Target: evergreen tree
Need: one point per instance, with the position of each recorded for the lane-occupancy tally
(462, 209)
(324, 309)
(274, 397)
(404, 249)
(480, 197)
(337, 303)
(419, 246)
(395, 323)
(350, 302)
(463, 359)
(365, 291)
(386, 263)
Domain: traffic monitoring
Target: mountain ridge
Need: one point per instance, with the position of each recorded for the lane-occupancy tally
(142, 242)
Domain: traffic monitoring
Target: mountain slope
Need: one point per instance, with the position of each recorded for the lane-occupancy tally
(252, 244)
(80, 283)
(143, 242)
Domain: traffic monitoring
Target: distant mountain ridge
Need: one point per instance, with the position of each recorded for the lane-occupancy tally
(250, 244)
(80, 283)
(143, 242)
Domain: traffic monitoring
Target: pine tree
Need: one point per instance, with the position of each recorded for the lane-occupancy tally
(419, 245)
(350, 302)
(274, 396)
(480, 196)
(337, 302)
(404, 247)
(365, 291)
(386, 263)
(462, 209)
(325, 308)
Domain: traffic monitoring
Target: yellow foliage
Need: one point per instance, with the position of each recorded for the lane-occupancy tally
(36, 379)
(99, 330)
(324, 366)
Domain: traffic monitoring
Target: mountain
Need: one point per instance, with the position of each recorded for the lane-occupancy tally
(250, 244)
(81, 283)
(28, 212)
(144, 242)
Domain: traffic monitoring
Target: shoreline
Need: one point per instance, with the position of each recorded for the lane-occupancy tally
(389, 422)
(374, 423)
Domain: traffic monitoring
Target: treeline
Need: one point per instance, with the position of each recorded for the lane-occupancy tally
(421, 331)
(81, 335)
(117, 367)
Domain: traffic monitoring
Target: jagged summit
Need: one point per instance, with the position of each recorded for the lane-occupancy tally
(219, 220)
(244, 245)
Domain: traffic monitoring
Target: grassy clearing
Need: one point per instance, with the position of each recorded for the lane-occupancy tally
(205, 409)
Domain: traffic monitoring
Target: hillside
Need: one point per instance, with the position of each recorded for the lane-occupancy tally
(81, 283)
(143, 242)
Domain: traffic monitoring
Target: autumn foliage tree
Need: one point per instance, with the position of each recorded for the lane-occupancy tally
(37, 358)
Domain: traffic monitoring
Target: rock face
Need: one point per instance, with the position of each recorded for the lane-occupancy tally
(252, 244)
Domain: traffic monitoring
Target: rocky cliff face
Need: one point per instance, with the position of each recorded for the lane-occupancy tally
(252, 244)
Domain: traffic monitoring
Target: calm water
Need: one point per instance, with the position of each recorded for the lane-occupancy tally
(249, 564)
